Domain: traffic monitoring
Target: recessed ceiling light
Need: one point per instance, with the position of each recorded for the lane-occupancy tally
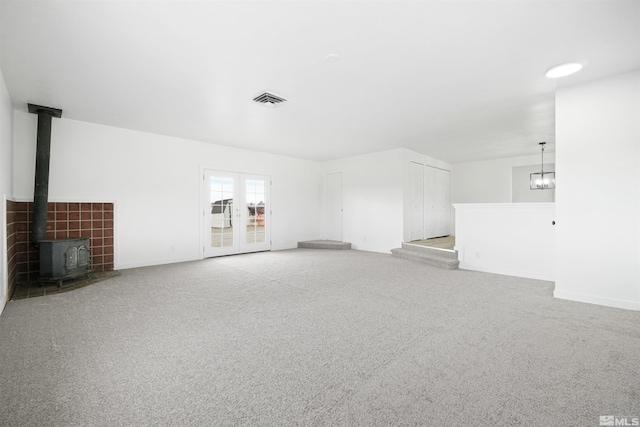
(332, 57)
(563, 70)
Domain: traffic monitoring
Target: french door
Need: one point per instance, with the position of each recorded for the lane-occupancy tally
(236, 213)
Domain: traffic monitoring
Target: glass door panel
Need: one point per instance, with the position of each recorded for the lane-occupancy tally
(220, 210)
(254, 197)
(254, 235)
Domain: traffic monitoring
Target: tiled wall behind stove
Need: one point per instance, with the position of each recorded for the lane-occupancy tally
(64, 220)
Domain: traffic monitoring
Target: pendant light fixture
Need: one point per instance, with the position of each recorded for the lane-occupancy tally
(542, 180)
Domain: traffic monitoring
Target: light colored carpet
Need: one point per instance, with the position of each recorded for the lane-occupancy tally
(315, 337)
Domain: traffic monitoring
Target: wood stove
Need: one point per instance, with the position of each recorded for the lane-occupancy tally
(63, 259)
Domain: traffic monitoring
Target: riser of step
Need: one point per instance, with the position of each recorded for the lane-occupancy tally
(430, 251)
(324, 244)
(436, 261)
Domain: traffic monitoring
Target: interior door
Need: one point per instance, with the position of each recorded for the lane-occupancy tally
(333, 206)
(416, 194)
(237, 215)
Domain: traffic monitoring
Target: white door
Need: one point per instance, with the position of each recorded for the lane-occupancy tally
(430, 201)
(437, 202)
(416, 194)
(333, 206)
(443, 185)
(236, 213)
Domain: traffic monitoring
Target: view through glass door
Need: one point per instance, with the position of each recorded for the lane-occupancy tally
(236, 213)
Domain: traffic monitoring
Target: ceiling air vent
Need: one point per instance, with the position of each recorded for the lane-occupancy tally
(269, 99)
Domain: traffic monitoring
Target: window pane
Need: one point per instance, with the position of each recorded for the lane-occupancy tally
(221, 212)
(255, 211)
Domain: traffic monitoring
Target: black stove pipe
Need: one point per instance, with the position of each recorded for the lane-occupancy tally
(43, 152)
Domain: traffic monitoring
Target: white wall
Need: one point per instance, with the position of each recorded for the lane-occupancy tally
(489, 181)
(155, 183)
(6, 183)
(598, 192)
(373, 199)
(411, 156)
(517, 239)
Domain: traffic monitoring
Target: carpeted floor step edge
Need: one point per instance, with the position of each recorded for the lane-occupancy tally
(413, 255)
(444, 253)
(436, 261)
(324, 244)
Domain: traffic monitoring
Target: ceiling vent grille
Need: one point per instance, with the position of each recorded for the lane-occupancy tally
(269, 99)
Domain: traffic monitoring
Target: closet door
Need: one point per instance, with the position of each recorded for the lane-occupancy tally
(443, 202)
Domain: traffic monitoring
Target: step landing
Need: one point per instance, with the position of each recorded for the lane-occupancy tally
(436, 257)
(324, 244)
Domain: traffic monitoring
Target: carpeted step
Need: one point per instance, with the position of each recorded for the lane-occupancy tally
(324, 244)
(428, 250)
(442, 259)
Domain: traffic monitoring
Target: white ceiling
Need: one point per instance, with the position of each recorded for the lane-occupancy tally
(455, 80)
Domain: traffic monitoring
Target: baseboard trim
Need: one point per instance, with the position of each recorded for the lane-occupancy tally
(152, 263)
(593, 299)
(506, 271)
